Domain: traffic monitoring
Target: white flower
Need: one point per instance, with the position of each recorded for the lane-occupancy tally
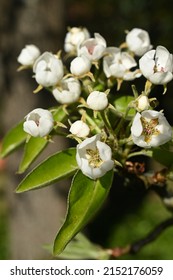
(80, 65)
(74, 37)
(150, 129)
(80, 129)
(28, 55)
(118, 64)
(94, 157)
(157, 66)
(48, 69)
(142, 103)
(97, 100)
(138, 41)
(93, 48)
(39, 122)
(68, 91)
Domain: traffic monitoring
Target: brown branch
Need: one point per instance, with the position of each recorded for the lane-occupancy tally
(137, 246)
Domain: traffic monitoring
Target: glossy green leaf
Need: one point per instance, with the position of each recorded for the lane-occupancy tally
(85, 198)
(32, 149)
(163, 156)
(121, 103)
(13, 139)
(81, 248)
(57, 167)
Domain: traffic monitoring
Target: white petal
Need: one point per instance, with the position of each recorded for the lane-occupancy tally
(150, 114)
(128, 61)
(31, 128)
(100, 39)
(161, 78)
(97, 173)
(139, 141)
(117, 70)
(105, 151)
(106, 166)
(89, 143)
(147, 63)
(162, 55)
(45, 127)
(137, 128)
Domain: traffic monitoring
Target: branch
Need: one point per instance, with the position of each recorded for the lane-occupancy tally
(137, 246)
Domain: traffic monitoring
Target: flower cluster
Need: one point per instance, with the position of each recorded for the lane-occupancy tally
(86, 84)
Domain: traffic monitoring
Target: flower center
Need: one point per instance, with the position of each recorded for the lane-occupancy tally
(90, 47)
(149, 128)
(158, 67)
(93, 158)
(36, 118)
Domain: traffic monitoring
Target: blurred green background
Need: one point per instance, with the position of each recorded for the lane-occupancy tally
(129, 214)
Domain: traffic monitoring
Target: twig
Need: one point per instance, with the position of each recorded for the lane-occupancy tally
(137, 246)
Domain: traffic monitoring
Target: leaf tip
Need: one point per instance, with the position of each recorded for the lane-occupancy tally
(56, 252)
(18, 190)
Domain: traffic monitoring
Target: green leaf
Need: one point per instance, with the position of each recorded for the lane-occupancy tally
(81, 248)
(32, 149)
(121, 103)
(57, 167)
(163, 156)
(85, 198)
(13, 139)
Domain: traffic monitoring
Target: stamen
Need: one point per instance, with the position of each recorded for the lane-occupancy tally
(93, 157)
(149, 128)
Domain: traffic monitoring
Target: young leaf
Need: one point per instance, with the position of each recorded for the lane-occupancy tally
(81, 248)
(121, 103)
(32, 149)
(57, 167)
(13, 139)
(85, 198)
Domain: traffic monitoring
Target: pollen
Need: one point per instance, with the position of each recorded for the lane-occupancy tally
(93, 158)
(149, 128)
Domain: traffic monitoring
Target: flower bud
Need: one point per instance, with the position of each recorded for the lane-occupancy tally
(74, 37)
(138, 41)
(28, 55)
(94, 157)
(142, 103)
(48, 69)
(68, 91)
(38, 123)
(80, 129)
(97, 100)
(80, 66)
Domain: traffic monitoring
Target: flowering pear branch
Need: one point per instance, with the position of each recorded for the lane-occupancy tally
(107, 124)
